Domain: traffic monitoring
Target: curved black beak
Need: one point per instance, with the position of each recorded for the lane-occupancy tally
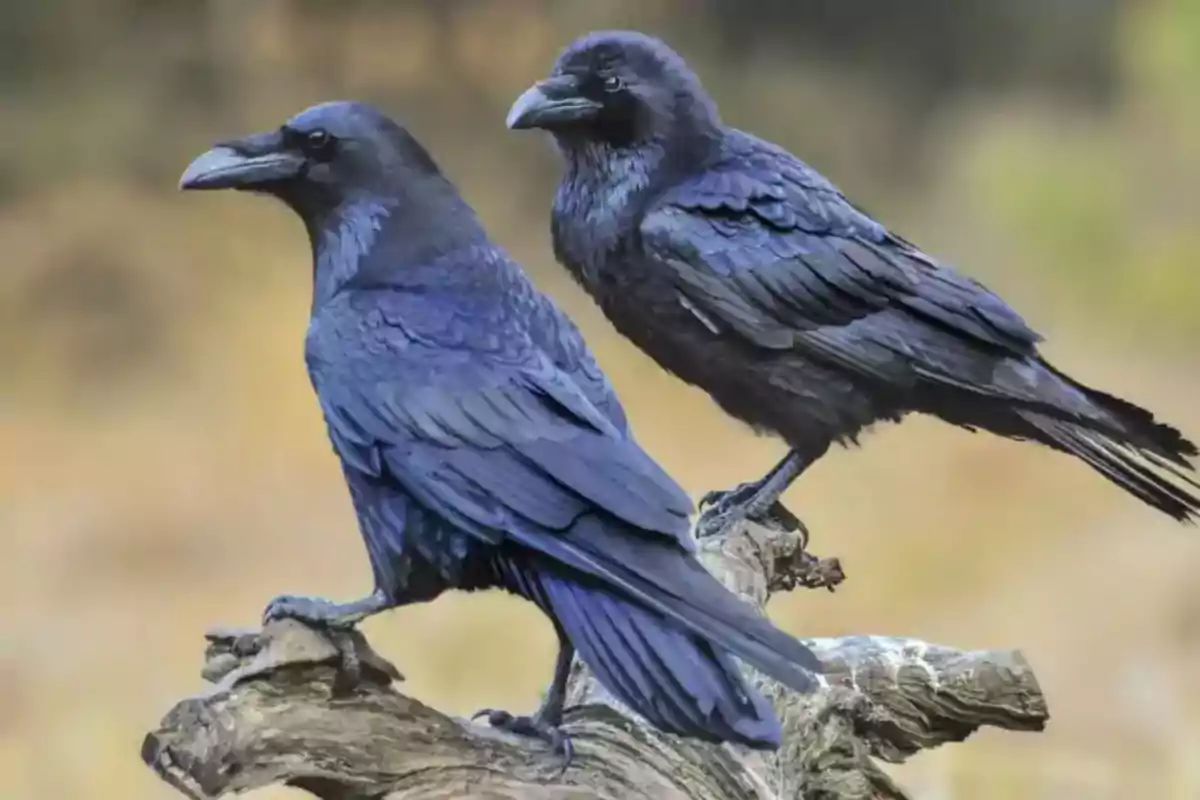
(242, 164)
(551, 103)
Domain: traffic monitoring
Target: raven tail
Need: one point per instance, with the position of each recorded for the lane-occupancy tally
(1143, 456)
(660, 579)
(676, 680)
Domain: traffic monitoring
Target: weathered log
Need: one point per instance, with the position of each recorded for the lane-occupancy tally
(307, 708)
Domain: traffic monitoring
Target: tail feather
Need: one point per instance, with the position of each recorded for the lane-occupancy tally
(657, 629)
(1145, 460)
(1138, 426)
(678, 681)
(649, 572)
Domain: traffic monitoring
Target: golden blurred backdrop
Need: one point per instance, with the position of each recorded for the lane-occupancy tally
(164, 469)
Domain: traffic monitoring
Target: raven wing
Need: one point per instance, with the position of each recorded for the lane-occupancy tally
(488, 432)
(556, 335)
(484, 430)
(761, 245)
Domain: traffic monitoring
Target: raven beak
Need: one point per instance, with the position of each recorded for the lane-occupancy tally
(551, 103)
(229, 166)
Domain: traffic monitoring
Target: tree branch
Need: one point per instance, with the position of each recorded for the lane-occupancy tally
(304, 707)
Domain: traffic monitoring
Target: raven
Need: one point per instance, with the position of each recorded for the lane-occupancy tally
(481, 443)
(743, 271)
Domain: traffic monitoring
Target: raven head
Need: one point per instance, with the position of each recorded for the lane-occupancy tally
(619, 87)
(321, 159)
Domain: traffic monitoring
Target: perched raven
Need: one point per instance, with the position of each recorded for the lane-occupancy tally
(739, 268)
(482, 445)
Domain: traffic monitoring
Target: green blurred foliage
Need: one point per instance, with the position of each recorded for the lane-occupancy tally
(163, 466)
(1107, 211)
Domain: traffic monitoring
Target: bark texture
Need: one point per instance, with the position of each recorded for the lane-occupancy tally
(319, 710)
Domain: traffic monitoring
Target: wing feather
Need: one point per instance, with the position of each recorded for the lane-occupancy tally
(765, 247)
(512, 444)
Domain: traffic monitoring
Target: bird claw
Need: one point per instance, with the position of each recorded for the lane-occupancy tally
(531, 727)
(719, 510)
(337, 620)
(316, 611)
(725, 499)
(780, 516)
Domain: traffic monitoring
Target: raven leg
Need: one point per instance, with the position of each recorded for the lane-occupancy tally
(757, 501)
(546, 721)
(321, 612)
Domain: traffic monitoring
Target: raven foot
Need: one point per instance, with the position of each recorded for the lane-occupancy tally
(719, 510)
(320, 612)
(535, 727)
(724, 498)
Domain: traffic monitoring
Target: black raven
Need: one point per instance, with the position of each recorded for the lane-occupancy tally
(743, 271)
(482, 445)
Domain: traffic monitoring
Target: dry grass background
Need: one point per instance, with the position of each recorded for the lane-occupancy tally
(163, 467)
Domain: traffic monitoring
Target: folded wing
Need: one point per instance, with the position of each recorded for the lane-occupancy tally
(768, 250)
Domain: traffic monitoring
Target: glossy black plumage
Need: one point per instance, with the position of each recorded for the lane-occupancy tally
(482, 445)
(745, 272)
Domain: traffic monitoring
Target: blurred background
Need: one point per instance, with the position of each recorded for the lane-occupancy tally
(163, 465)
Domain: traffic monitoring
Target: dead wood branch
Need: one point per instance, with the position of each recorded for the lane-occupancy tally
(291, 705)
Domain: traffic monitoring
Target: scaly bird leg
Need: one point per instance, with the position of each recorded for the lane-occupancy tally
(546, 721)
(338, 620)
(757, 501)
(320, 612)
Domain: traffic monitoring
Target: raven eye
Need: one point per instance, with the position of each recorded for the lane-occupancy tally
(613, 83)
(317, 143)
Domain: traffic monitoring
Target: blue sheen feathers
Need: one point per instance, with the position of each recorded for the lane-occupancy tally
(678, 681)
(766, 245)
(483, 446)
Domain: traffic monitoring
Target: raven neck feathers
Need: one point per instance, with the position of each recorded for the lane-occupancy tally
(374, 240)
(605, 190)
(342, 242)
(597, 203)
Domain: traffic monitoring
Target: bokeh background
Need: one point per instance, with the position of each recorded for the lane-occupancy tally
(163, 467)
